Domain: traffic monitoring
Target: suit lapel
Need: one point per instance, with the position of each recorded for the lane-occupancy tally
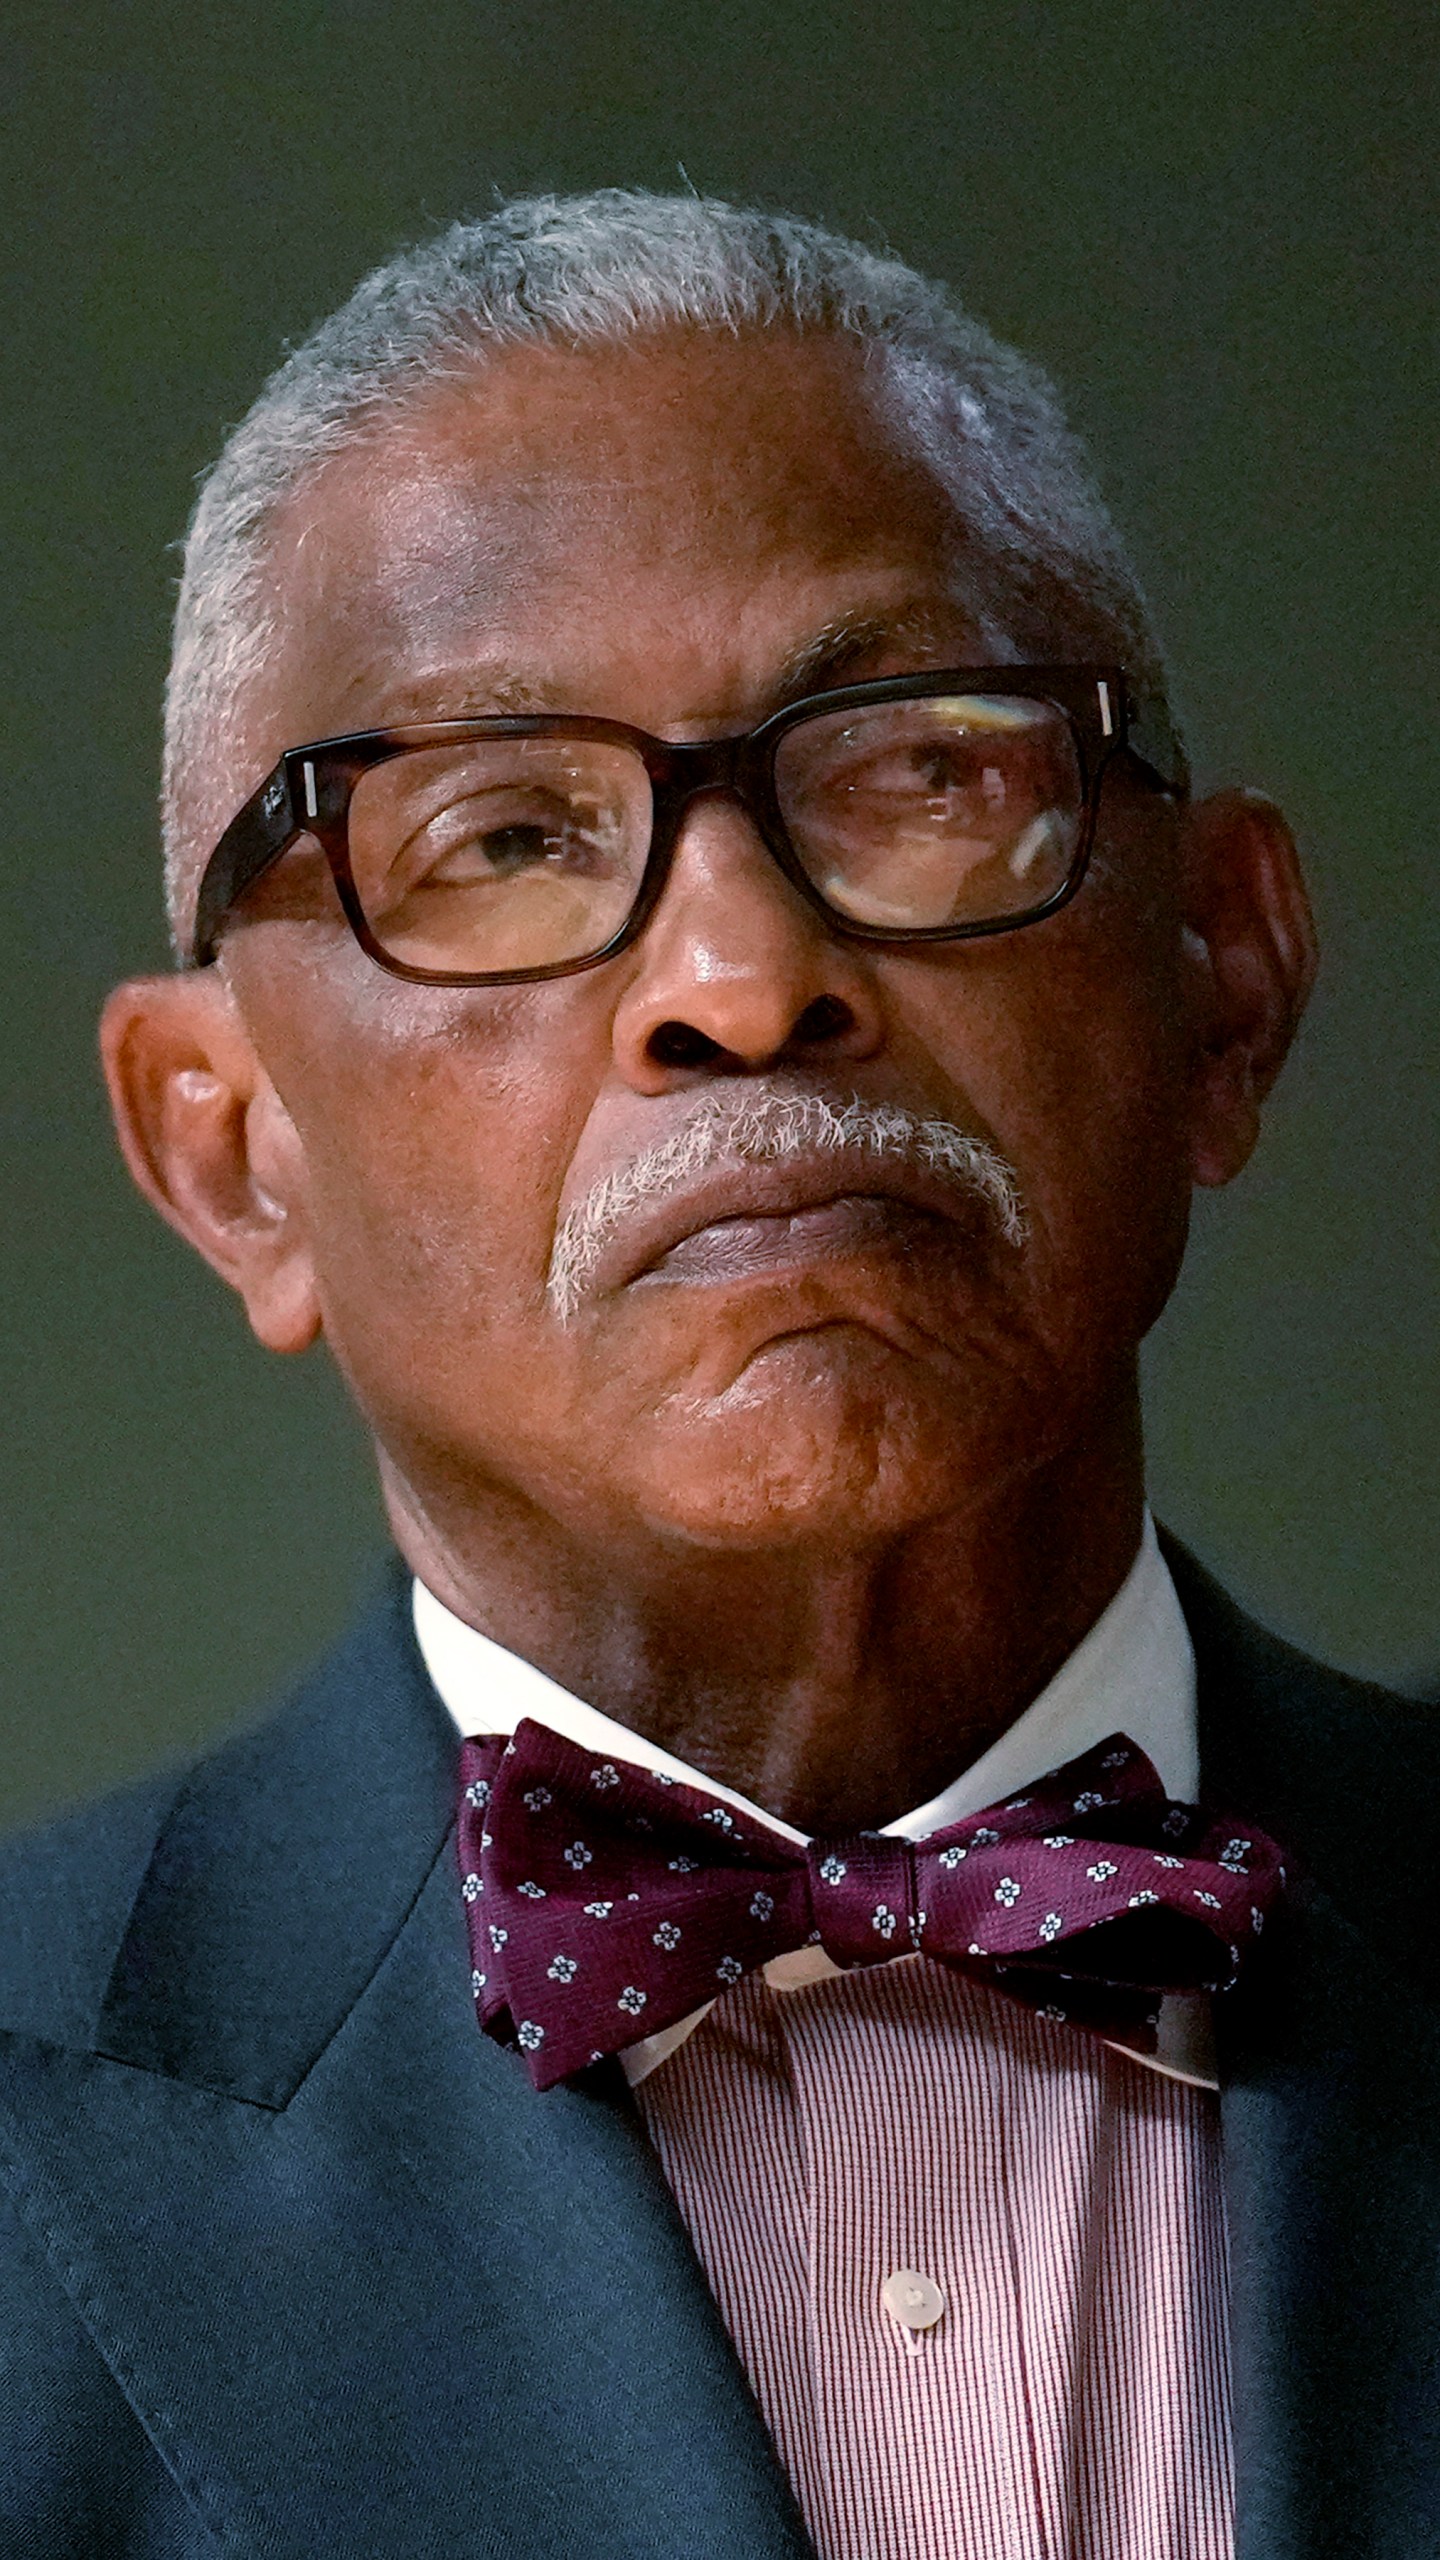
(1330, 2072)
(367, 2290)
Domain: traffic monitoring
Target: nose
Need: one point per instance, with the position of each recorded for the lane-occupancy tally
(735, 973)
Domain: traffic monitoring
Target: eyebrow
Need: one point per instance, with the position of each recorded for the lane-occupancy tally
(480, 691)
(843, 645)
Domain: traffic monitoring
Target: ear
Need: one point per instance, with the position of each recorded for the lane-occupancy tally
(1250, 942)
(211, 1146)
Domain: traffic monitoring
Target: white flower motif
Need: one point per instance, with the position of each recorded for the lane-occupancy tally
(883, 1919)
(1235, 1956)
(1007, 1891)
(660, 1778)
(1136, 1899)
(477, 1983)
(631, 2000)
(832, 1870)
(478, 1791)
(1257, 1919)
(1089, 1802)
(917, 1926)
(1058, 1840)
(1016, 1804)
(1210, 1900)
(1056, 2016)
(1051, 1926)
(562, 1968)
(535, 1799)
(533, 1892)
(762, 1906)
(717, 1814)
(599, 1910)
(729, 1969)
(471, 1888)
(577, 1855)
(667, 1936)
(528, 2035)
(498, 1937)
(1234, 1854)
(485, 1840)
(1161, 1859)
(606, 1775)
(954, 1856)
(1175, 1821)
(983, 1839)
(1116, 1760)
(974, 1948)
(683, 1866)
(1102, 1870)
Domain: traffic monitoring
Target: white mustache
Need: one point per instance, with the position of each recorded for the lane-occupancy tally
(773, 1128)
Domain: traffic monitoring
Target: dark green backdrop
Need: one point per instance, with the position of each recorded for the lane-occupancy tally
(1213, 222)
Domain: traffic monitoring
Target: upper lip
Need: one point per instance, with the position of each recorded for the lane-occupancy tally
(742, 1189)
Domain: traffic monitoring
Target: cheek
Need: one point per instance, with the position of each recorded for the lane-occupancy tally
(435, 1135)
(1071, 1056)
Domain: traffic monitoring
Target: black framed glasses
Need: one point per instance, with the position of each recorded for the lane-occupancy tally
(920, 808)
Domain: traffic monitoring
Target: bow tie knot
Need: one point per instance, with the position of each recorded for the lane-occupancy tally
(865, 1900)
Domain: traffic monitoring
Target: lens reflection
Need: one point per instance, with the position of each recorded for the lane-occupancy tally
(949, 811)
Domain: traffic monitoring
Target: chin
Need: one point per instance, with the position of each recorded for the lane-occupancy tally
(825, 1437)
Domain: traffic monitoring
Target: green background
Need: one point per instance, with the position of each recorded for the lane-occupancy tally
(1215, 224)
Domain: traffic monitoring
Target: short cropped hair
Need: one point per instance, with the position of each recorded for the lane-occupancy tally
(1045, 570)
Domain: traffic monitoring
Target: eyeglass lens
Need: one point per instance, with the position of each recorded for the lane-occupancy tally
(950, 811)
(520, 853)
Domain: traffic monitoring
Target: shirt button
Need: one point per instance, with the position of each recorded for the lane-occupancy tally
(914, 2300)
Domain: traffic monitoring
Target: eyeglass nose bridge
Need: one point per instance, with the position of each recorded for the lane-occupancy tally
(685, 771)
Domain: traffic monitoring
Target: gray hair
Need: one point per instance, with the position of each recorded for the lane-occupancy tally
(1046, 569)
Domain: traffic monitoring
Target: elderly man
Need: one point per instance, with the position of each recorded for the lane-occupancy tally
(703, 982)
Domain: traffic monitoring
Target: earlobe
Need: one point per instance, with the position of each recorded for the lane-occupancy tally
(210, 1145)
(1252, 956)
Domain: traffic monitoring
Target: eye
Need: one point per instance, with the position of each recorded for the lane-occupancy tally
(482, 840)
(473, 842)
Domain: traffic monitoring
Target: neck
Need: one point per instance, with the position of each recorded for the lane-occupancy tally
(837, 1690)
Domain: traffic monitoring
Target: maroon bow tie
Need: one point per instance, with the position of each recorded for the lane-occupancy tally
(605, 1903)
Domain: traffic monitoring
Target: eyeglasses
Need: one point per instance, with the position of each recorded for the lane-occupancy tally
(916, 809)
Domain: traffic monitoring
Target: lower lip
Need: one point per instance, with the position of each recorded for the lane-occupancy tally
(745, 1247)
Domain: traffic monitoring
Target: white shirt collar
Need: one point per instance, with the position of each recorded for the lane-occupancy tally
(1133, 1673)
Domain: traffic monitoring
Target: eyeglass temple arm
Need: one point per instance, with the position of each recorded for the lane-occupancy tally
(1155, 742)
(257, 836)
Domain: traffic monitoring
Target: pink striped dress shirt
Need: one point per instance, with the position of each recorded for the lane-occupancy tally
(972, 2262)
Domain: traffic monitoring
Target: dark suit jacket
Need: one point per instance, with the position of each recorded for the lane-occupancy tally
(295, 2262)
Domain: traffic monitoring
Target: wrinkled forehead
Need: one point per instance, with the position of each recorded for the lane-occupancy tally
(552, 511)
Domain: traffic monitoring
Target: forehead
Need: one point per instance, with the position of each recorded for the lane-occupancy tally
(553, 514)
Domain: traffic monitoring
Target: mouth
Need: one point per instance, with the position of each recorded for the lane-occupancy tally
(749, 1221)
(753, 1243)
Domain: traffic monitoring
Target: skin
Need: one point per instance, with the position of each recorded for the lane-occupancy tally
(825, 1525)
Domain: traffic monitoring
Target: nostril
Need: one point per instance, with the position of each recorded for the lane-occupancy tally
(828, 1018)
(679, 1044)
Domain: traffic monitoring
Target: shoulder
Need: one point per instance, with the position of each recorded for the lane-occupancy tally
(1332, 1766)
(66, 1892)
(253, 1805)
